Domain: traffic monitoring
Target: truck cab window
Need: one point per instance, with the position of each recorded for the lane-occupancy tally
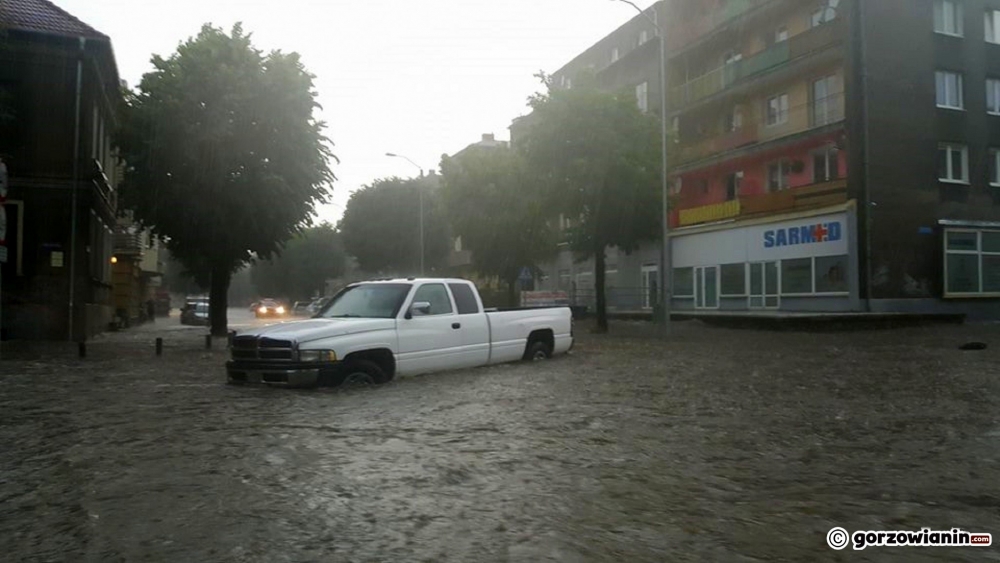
(465, 299)
(437, 296)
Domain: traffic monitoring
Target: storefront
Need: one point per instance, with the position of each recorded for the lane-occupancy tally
(791, 262)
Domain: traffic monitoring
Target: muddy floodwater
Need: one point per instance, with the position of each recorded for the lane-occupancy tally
(714, 445)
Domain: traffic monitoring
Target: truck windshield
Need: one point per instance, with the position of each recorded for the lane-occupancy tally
(371, 301)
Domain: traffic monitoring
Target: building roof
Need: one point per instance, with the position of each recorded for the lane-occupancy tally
(42, 16)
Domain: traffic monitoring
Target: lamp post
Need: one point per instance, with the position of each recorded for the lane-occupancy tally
(665, 219)
(420, 196)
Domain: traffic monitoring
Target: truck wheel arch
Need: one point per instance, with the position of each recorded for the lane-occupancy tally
(544, 336)
(382, 357)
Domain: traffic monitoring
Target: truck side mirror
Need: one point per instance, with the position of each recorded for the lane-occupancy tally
(419, 308)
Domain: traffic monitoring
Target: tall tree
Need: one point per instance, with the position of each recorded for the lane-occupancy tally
(381, 227)
(225, 158)
(494, 205)
(600, 157)
(302, 268)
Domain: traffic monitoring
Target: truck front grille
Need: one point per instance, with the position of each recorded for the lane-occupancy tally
(263, 348)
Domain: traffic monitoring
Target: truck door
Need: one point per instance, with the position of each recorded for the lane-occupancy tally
(474, 326)
(429, 341)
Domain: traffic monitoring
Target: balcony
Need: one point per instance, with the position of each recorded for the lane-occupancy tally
(693, 29)
(726, 76)
(127, 244)
(795, 199)
(715, 145)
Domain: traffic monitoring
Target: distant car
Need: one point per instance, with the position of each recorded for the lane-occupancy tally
(195, 313)
(270, 308)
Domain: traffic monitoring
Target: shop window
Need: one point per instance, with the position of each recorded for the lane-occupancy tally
(734, 280)
(683, 282)
(972, 262)
(831, 274)
(797, 276)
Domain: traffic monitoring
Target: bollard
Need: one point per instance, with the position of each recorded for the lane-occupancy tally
(82, 349)
(159, 346)
(208, 341)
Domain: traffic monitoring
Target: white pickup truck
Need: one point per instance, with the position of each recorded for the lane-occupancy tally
(373, 331)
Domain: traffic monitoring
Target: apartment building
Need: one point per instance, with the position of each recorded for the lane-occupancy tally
(827, 155)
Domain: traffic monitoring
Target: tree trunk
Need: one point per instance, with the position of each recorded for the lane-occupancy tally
(602, 306)
(219, 300)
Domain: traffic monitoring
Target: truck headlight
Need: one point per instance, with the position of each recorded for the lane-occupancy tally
(317, 356)
(280, 310)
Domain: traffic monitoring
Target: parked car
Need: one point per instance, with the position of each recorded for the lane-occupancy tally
(374, 331)
(195, 313)
(270, 308)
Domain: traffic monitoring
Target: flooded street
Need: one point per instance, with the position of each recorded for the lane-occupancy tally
(718, 445)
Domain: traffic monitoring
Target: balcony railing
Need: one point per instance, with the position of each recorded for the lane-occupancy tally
(727, 75)
(127, 243)
(746, 135)
(805, 197)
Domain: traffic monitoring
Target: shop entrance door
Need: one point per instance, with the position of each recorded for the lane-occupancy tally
(706, 288)
(764, 285)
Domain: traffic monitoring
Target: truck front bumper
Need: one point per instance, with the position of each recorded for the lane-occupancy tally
(280, 375)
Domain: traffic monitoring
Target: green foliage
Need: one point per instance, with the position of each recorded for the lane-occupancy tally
(225, 159)
(381, 227)
(494, 205)
(598, 157)
(302, 268)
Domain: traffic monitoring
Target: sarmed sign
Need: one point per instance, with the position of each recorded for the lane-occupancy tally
(806, 234)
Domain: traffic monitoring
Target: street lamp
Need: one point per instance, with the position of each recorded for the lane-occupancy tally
(665, 219)
(420, 195)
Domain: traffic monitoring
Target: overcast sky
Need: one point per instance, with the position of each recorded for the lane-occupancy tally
(420, 78)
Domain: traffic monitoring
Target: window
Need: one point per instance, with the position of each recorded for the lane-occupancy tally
(569, 83)
(953, 163)
(826, 14)
(614, 55)
(948, 17)
(777, 109)
(993, 26)
(825, 165)
(642, 96)
(734, 280)
(781, 34)
(733, 182)
(995, 167)
(797, 276)
(565, 280)
(683, 282)
(437, 296)
(465, 299)
(825, 94)
(949, 90)
(831, 274)
(732, 57)
(993, 96)
(972, 262)
(733, 120)
(643, 37)
(777, 175)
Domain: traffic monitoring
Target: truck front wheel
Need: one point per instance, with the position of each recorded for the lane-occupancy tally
(360, 373)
